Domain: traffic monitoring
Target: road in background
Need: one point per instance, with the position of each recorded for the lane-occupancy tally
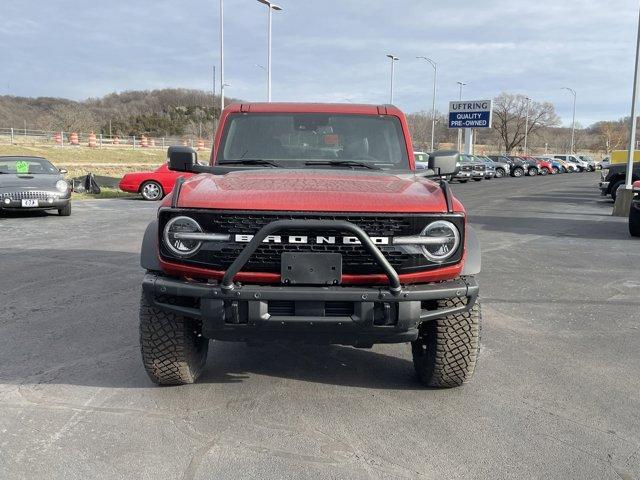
(556, 394)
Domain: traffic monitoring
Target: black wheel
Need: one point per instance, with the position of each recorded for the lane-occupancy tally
(556, 170)
(173, 350)
(463, 181)
(65, 211)
(614, 189)
(151, 191)
(500, 172)
(477, 179)
(544, 172)
(446, 351)
(634, 220)
(532, 172)
(518, 172)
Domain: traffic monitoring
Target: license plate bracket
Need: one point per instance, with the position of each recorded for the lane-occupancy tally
(311, 268)
(29, 203)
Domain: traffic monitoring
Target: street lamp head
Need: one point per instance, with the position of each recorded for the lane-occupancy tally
(462, 84)
(392, 57)
(271, 5)
(573, 92)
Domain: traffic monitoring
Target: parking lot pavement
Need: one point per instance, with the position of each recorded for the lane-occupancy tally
(556, 394)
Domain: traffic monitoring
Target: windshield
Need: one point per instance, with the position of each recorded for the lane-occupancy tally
(27, 166)
(421, 157)
(295, 140)
(466, 158)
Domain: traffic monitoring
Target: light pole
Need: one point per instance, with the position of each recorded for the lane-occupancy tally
(526, 125)
(394, 59)
(624, 195)
(221, 56)
(573, 122)
(634, 120)
(433, 104)
(462, 84)
(271, 8)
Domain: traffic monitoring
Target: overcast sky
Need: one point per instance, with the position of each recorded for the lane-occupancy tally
(329, 50)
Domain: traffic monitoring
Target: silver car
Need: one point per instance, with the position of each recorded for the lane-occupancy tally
(33, 183)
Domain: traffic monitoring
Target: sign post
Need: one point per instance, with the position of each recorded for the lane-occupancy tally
(470, 114)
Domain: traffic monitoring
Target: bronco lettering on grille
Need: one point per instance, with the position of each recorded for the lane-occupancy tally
(319, 240)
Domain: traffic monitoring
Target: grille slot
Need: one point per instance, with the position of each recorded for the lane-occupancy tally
(287, 308)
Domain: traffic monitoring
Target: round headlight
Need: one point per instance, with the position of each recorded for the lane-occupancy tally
(446, 240)
(62, 186)
(181, 246)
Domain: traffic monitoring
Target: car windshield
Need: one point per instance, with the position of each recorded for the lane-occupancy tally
(421, 157)
(26, 166)
(466, 158)
(323, 139)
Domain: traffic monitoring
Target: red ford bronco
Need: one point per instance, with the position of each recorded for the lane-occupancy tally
(311, 224)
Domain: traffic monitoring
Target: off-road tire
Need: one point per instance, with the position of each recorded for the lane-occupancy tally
(544, 171)
(65, 211)
(615, 187)
(446, 351)
(173, 352)
(518, 172)
(532, 172)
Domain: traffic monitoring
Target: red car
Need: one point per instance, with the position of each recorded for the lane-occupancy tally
(544, 166)
(151, 185)
(311, 224)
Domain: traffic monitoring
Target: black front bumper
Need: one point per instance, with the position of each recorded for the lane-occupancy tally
(260, 313)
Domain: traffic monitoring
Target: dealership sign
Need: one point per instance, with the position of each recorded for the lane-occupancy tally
(470, 114)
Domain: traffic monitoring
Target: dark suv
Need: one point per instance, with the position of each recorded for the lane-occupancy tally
(614, 177)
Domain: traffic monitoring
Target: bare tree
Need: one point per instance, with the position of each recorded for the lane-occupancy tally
(509, 118)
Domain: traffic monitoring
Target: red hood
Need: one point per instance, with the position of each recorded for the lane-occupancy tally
(313, 191)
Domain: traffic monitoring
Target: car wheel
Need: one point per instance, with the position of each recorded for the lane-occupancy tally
(532, 172)
(518, 172)
(500, 173)
(463, 181)
(614, 189)
(446, 351)
(634, 219)
(151, 191)
(556, 170)
(544, 172)
(65, 211)
(477, 179)
(173, 349)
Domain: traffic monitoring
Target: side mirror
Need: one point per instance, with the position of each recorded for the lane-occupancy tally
(63, 171)
(182, 159)
(444, 162)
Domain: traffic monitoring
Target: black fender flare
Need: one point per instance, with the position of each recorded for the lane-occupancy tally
(149, 250)
(473, 262)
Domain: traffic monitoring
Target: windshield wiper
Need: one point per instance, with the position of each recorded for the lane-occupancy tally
(343, 163)
(250, 161)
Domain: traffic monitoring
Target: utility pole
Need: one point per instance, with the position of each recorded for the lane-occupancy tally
(462, 84)
(277, 8)
(573, 122)
(394, 59)
(433, 103)
(526, 125)
(221, 56)
(624, 195)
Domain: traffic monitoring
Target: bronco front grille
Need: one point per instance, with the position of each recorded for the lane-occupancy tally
(355, 258)
(480, 168)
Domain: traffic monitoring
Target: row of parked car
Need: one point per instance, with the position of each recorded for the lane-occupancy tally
(486, 167)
